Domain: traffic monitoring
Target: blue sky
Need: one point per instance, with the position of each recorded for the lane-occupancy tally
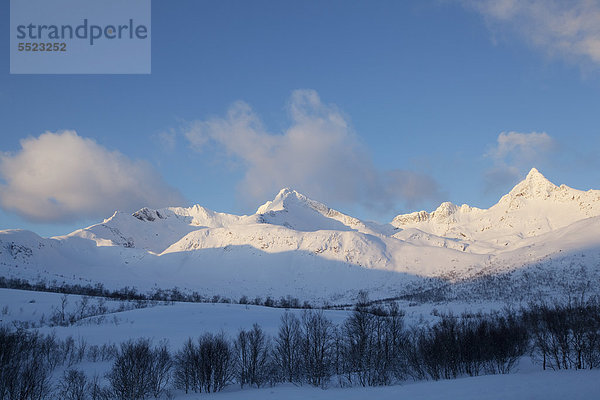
(375, 108)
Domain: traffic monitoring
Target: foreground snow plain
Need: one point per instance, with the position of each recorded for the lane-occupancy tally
(546, 385)
(178, 321)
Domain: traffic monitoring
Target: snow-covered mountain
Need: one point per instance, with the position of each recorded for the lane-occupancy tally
(533, 207)
(298, 246)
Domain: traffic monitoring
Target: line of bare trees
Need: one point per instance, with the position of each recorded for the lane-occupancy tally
(131, 294)
(371, 347)
(565, 336)
(471, 346)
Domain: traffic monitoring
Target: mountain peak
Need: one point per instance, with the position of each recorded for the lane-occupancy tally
(287, 192)
(533, 173)
(535, 185)
(536, 176)
(296, 211)
(284, 199)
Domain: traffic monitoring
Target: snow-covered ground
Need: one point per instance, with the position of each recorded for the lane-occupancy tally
(178, 321)
(545, 385)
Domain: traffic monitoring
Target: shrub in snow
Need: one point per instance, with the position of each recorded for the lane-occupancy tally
(140, 370)
(205, 365)
(73, 385)
(252, 357)
(25, 369)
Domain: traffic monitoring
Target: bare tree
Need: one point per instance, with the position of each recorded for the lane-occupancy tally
(358, 350)
(566, 336)
(130, 376)
(242, 354)
(372, 342)
(73, 385)
(97, 392)
(252, 349)
(215, 360)
(318, 334)
(160, 371)
(25, 370)
(185, 367)
(287, 350)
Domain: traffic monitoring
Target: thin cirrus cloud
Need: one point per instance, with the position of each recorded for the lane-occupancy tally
(567, 29)
(63, 177)
(318, 154)
(514, 153)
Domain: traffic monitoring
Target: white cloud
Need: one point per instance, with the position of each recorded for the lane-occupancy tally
(570, 29)
(64, 177)
(318, 155)
(515, 153)
(519, 148)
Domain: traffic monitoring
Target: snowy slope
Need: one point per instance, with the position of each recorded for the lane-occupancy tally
(298, 246)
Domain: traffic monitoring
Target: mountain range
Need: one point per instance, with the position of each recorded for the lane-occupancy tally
(539, 238)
